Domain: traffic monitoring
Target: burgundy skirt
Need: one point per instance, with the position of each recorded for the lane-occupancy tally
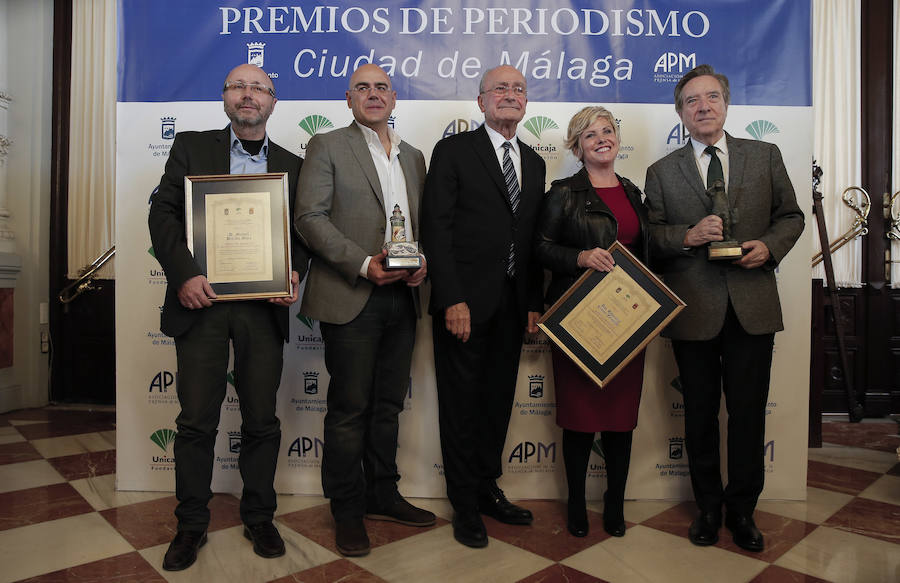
(581, 405)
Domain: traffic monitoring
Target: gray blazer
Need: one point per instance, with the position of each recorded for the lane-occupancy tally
(339, 214)
(765, 208)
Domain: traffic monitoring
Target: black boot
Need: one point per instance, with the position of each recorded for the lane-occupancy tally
(617, 449)
(576, 453)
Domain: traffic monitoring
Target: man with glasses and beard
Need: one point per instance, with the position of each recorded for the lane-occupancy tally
(202, 329)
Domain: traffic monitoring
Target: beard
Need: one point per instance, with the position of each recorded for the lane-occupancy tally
(246, 119)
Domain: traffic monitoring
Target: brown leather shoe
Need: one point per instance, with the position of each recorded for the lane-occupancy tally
(351, 538)
(267, 543)
(401, 511)
(182, 551)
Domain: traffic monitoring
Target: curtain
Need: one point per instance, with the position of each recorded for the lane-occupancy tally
(895, 165)
(837, 127)
(92, 138)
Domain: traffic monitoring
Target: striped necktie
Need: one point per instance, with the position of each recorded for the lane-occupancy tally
(512, 187)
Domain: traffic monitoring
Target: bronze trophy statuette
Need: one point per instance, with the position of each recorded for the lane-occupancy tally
(728, 248)
(400, 253)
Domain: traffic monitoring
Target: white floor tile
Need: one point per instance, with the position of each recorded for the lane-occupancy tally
(57, 544)
(843, 557)
(28, 475)
(649, 555)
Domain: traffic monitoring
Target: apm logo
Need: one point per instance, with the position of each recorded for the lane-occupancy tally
(167, 128)
(311, 124)
(536, 386)
(305, 446)
(761, 128)
(676, 448)
(678, 136)
(230, 377)
(162, 381)
(256, 54)
(675, 63)
(311, 382)
(458, 126)
(537, 124)
(234, 441)
(528, 452)
(163, 437)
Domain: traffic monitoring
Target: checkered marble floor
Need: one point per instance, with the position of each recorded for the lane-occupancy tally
(61, 519)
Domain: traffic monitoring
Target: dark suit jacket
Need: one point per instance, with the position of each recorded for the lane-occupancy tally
(199, 153)
(340, 216)
(762, 197)
(467, 225)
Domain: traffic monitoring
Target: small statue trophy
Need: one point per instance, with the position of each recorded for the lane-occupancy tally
(728, 248)
(400, 253)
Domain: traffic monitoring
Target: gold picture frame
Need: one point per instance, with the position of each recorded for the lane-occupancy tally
(606, 318)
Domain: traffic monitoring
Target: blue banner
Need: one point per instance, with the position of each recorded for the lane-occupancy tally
(607, 51)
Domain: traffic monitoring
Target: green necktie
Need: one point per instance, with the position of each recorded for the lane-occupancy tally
(715, 168)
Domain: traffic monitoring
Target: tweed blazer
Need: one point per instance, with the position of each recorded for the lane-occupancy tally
(763, 202)
(340, 216)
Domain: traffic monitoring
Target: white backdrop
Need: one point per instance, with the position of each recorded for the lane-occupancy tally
(146, 399)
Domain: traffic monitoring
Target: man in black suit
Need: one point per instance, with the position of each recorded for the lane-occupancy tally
(202, 329)
(482, 195)
(723, 340)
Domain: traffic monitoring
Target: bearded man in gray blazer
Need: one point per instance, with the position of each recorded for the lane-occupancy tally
(723, 340)
(352, 179)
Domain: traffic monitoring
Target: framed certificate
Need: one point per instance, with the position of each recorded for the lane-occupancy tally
(606, 318)
(238, 229)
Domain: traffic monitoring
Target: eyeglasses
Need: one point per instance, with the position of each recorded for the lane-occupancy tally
(380, 89)
(503, 90)
(255, 88)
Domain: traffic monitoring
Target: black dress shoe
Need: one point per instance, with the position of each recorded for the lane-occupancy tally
(493, 503)
(351, 538)
(704, 530)
(469, 530)
(267, 543)
(400, 511)
(182, 551)
(744, 532)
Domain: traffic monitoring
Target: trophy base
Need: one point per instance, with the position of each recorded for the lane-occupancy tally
(725, 250)
(402, 255)
(402, 262)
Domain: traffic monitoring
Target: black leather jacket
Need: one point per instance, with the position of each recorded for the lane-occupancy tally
(572, 219)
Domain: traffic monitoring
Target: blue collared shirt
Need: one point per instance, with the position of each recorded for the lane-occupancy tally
(242, 162)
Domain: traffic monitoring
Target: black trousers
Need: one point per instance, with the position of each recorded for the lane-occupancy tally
(738, 364)
(202, 354)
(368, 359)
(476, 383)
